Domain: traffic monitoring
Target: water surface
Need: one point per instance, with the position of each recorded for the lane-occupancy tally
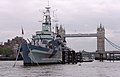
(92, 69)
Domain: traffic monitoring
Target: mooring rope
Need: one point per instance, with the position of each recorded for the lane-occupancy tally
(17, 56)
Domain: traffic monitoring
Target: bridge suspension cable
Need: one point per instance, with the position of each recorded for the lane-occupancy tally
(113, 44)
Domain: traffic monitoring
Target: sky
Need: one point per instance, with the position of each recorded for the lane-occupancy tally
(76, 16)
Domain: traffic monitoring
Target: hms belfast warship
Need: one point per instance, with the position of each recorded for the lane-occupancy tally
(46, 45)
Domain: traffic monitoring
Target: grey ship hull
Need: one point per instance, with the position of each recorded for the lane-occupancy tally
(34, 55)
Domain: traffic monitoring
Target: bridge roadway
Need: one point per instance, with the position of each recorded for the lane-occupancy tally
(81, 35)
(108, 52)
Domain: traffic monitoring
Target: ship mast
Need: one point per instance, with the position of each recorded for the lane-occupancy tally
(46, 25)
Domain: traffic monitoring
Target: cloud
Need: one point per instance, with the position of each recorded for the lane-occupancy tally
(76, 15)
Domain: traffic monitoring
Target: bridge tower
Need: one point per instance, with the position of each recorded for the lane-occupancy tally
(100, 39)
(101, 55)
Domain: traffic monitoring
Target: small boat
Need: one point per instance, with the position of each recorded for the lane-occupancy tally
(87, 60)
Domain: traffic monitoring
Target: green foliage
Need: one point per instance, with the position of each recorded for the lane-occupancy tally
(6, 51)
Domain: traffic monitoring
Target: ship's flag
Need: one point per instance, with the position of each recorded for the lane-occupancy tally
(22, 31)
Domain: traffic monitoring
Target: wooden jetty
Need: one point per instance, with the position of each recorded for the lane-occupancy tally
(69, 56)
(72, 57)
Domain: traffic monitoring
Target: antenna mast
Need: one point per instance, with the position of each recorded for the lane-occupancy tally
(48, 3)
(46, 25)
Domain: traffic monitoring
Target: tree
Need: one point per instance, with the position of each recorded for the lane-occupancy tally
(6, 51)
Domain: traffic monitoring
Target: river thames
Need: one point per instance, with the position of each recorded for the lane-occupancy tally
(89, 69)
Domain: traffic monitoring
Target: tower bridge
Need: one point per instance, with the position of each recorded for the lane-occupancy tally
(100, 41)
(100, 35)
